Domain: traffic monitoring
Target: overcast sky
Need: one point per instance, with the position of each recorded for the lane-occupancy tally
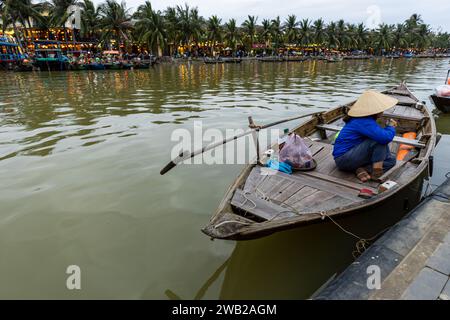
(434, 12)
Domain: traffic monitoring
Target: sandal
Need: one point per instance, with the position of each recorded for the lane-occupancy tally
(362, 175)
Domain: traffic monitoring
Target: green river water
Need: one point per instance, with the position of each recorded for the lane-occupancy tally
(80, 154)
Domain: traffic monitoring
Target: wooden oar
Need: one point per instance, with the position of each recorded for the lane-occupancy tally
(184, 155)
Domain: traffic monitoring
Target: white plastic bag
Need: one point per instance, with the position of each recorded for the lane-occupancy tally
(295, 152)
(443, 91)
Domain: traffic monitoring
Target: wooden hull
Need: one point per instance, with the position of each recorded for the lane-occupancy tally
(52, 65)
(443, 104)
(243, 215)
(96, 66)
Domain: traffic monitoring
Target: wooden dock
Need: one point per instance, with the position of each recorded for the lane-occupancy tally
(413, 259)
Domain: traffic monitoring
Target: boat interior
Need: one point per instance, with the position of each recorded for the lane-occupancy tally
(267, 195)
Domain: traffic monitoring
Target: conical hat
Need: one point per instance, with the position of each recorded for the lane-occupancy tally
(370, 103)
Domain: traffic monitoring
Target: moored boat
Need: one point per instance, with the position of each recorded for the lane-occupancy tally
(10, 55)
(213, 60)
(334, 58)
(49, 57)
(96, 66)
(231, 59)
(295, 58)
(442, 103)
(271, 59)
(262, 201)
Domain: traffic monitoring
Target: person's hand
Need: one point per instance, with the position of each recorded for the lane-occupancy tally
(392, 123)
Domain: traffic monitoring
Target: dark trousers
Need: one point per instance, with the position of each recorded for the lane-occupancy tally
(365, 155)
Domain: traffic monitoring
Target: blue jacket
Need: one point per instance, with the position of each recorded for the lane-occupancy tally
(359, 129)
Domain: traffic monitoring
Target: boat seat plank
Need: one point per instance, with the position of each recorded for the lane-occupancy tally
(319, 184)
(311, 200)
(261, 208)
(409, 142)
(405, 112)
(332, 179)
(287, 192)
(331, 204)
(296, 198)
(403, 99)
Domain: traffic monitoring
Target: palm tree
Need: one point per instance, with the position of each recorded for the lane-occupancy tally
(150, 27)
(361, 36)
(332, 36)
(277, 31)
(14, 11)
(306, 35)
(89, 19)
(214, 30)
(342, 34)
(399, 36)
(383, 38)
(115, 22)
(249, 26)
(266, 32)
(290, 28)
(231, 33)
(172, 28)
(351, 41)
(319, 31)
(59, 11)
(423, 36)
(190, 24)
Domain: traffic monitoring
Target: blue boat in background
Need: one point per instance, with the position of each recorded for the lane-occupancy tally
(10, 54)
(48, 56)
(408, 55)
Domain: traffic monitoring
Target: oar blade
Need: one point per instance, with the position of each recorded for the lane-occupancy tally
(168, 167)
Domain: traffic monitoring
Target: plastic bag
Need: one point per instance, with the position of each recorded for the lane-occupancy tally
(443, 91)
(296, 153)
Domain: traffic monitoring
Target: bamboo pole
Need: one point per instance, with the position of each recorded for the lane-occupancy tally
(185, 155)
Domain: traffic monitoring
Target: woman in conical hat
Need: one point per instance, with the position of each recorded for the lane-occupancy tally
(362, 145)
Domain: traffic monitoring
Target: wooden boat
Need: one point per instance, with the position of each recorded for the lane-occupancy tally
(140, 65)
(231, 60)
(96, 66)
(262, 201)
(442, 103)
(212, 61)
(271, 59)
(113, 66)
(77, 66)
(295, 58)
(334, 59)
(49, 56)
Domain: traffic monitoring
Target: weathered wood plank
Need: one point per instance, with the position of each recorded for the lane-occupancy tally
(313, 200)
(261, 208)
(331, 204)
(312, 182)
(299, 196)
(332, 179)
(286, 193)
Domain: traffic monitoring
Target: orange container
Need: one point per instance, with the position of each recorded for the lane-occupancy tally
(404, 149)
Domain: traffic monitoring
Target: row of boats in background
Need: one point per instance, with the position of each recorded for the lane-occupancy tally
(327, 58)
(48, 56)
